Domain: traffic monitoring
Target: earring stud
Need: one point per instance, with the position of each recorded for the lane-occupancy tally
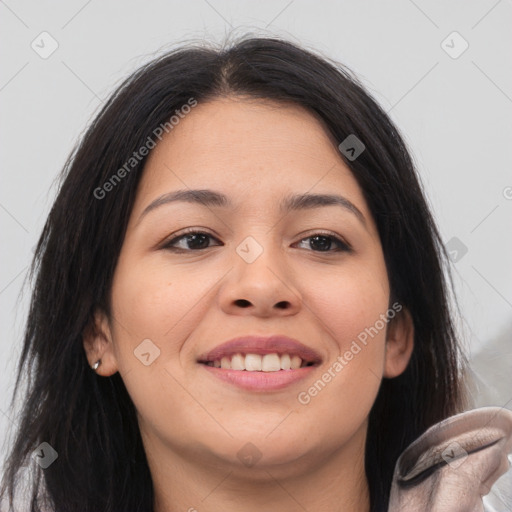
(96, 365)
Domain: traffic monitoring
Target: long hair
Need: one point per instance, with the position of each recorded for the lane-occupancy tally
(91, 421)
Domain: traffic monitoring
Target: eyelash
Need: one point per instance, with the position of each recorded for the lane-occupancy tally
(342, 246)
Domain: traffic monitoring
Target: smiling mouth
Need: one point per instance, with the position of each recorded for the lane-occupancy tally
(272, 362)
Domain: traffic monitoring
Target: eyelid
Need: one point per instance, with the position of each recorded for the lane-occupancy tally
(343, 245)
(182, 233)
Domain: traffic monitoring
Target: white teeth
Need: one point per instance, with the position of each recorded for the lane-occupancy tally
(295, 362)
(238, 362)
(270, 363)
(257, 363)
(285, 362)
(253, 362)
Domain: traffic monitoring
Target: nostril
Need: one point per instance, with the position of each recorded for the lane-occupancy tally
(242, 303)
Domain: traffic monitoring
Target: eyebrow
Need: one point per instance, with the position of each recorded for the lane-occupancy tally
(211, 198)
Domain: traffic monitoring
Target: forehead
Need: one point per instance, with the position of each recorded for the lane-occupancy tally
(252, 150)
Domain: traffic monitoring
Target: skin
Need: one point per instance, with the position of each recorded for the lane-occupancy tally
(193, 424)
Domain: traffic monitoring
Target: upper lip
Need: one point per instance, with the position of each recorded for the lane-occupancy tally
(275, 344)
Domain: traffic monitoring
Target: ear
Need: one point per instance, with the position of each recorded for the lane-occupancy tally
(97, 341)
(399, 343)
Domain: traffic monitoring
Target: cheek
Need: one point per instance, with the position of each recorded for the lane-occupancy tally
(154, 301)
(158, 302)
(350, 304)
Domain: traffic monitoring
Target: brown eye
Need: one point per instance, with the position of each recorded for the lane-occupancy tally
(325, 243)
(191, 241)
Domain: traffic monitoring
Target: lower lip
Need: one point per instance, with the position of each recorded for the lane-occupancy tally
(260, 381)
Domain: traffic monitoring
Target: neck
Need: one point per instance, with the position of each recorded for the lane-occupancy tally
(333, 481)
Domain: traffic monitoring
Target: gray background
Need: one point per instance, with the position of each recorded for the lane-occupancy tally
(455, 114)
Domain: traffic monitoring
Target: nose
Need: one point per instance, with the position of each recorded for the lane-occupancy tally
(260, 287)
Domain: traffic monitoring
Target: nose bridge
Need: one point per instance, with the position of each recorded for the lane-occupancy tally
(259, 259)
(260, 281)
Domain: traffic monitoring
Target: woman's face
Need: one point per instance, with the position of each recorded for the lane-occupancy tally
(257, 270)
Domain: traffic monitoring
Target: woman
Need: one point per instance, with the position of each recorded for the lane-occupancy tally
(242, 253)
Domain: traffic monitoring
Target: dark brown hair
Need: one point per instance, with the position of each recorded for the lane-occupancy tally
(91, 421)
